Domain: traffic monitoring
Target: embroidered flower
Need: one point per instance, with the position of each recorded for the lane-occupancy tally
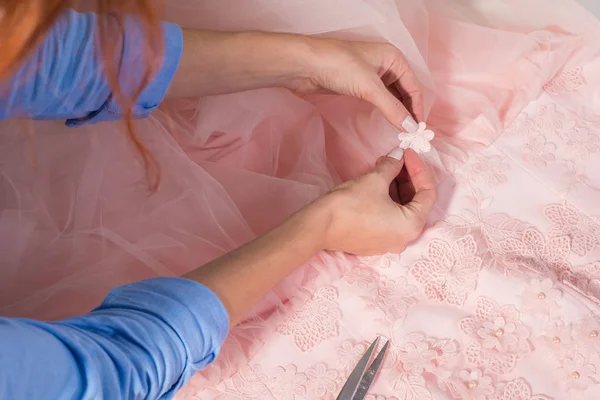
(379, 397)
(491, 170)
(388, 260)
(541, 297)
(534, 252)
(409, 387)
(587, 335)
(498, 334)
(249, 382)
(472, 384)
(548, 120)
(418, 141)
(316, 320)
(362, 277)
(415, 353)
(395, 297)
(321, 380)
(576, 373)
(587, 279)
(518, 390)
(288, 383)
(520, 127)
(538, 151)
(568, 221)
(449, 272)
(580, 142)
(349, 354)
(558, 338)
(500, 338)
(567, 81)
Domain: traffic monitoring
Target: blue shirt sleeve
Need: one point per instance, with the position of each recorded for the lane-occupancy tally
(65, 77)
(143, 342)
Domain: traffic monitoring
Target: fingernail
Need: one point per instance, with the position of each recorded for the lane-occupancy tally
(410, 125)
(397, 153)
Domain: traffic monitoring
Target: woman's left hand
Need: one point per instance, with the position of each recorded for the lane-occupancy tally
(375, 72)
(223, 62)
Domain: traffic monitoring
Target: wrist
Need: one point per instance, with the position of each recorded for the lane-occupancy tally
(277, 59)
(310, 225)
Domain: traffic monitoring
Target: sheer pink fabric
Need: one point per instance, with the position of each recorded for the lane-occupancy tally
(511, 91)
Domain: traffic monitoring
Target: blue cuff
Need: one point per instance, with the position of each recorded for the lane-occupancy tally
(192, 310)
(154, 93)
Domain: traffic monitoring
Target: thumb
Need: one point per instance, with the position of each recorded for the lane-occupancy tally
(389, 167)
(392, 109)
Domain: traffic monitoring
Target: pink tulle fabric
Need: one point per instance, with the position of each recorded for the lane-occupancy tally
(489, 304)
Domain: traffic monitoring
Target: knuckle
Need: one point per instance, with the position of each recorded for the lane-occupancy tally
(367, 92)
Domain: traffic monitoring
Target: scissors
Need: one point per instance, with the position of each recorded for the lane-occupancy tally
(359, 381)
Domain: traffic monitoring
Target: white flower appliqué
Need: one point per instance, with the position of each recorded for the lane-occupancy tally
(418, 141)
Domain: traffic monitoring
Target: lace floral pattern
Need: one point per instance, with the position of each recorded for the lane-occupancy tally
(567, 81)
(349, 354)
(576, 373)
(500, 339)
(534, 252)
(322, 380)
(539, 151)
(581, 229)
(541, 297)
(395, 297)
(449, 271)
(518, 390)
(316, 320)
(580, 143)
(362, 277)
(288, 383)
(470, 384)
(491, 170)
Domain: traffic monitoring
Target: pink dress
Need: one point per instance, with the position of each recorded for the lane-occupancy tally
(497, 300)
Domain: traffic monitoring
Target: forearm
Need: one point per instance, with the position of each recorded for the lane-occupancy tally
(145, 340)
(222, 62)
(241, 278)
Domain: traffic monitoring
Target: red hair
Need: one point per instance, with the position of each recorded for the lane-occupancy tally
(24, 23)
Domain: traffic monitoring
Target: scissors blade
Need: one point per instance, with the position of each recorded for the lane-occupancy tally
(355, 377)
(367, 379)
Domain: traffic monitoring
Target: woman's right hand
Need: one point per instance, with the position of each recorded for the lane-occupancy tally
(382, 211)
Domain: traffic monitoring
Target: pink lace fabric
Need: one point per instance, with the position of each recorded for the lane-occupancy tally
(497, 300)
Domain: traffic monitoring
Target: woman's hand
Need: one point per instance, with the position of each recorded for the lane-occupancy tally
(382, 211)
(375, 72)
(221, 62)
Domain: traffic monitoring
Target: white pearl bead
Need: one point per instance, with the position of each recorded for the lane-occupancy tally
(556, 340)
(499, 332)
(576, 375)
(541, 295)
(594, 334)
(472, 385)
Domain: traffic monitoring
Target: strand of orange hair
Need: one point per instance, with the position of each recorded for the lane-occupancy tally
(24, 23)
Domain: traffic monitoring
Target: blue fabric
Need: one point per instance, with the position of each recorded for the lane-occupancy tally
(144, 342)
(65, 77)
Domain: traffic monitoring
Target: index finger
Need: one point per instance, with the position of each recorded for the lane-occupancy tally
(422, 179)
(408, 85)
